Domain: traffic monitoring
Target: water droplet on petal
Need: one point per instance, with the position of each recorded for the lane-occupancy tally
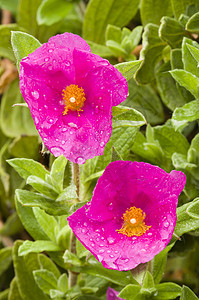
(110, 206)
(36, 120)
(102, 144)
(50, 50)
(111, 255)
(46, 59)
(166, 224)
(73, 125)
(64, 129)
(63, 142)
(56, 151)
(110, 240)
(80, 160)
(101, 251)
(35, 94)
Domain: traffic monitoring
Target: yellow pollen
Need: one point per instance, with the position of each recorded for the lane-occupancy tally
(74, 98)
(133, 222)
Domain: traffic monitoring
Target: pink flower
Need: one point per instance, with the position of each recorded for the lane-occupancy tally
(112, 294)
(70, 93)
(131, 216)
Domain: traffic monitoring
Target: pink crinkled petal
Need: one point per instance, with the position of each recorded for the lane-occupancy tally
(126, 182)
(69, 40)
(112, 294)
(99, 234)
(113, 80)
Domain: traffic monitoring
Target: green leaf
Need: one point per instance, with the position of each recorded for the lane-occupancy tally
(113, 33)
(171, 141)
(100, 13)
(16, 120)
(172, 32)
(130, 292)
(10, 5)
(57, 171)
(45, 280)
(14, 291)
(187, 294)
(187, 80)
(52, 11)
(28, 167)
(37, 246)
(128, 69)
(116, 48)
(171, 97)
(5, 259)
(192, 24)
(159, 264)
(46, 263)
(24, 267)
(11, 226)
(71, 259)
(146, 101)
(5, 43)
(133, 39)
(194, 51)
(185, 223)
(180, 6)
(152, 11)
(193, 209)
(29, 221)
(127, 117)
(31, 199)
(187, 113)
(23, 44)
(189, 61)
(148, 286)
(95, 268)
(26, 16)
(151, 53)
(100, 50)
(42, 186)
(25, 147)
(167, 290)
(62, 283)
(47, 222)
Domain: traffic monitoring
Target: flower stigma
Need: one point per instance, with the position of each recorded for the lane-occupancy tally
(133, 222)
(74, 98)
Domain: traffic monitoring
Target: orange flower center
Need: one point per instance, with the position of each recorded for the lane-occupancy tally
(74, 98)
(133, 222)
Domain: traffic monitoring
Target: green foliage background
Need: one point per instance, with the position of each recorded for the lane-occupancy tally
(154, 44)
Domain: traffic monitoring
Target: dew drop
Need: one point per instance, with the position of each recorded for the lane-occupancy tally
(50, 50)
(111, 255)
(166, 224)
(80, 160)
(110, 206)
(64, 129)
(110, 240)
(46, 59)
(73, 125)
(83, 230)
(108, 251)
(150, 234)
(101, 245)
(101, 251)
(92, 244)
(56, 151)
(45, 106)
(36, 120)
(35, 94)
(102, 144)
(63, 142)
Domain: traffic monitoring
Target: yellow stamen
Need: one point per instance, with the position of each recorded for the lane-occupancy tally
(133, 222)
(74, 98)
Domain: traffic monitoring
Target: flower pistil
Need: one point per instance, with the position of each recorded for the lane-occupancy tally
(133, 222)
(74, 98)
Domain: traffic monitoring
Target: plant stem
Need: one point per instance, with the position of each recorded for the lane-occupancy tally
(72, 279)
